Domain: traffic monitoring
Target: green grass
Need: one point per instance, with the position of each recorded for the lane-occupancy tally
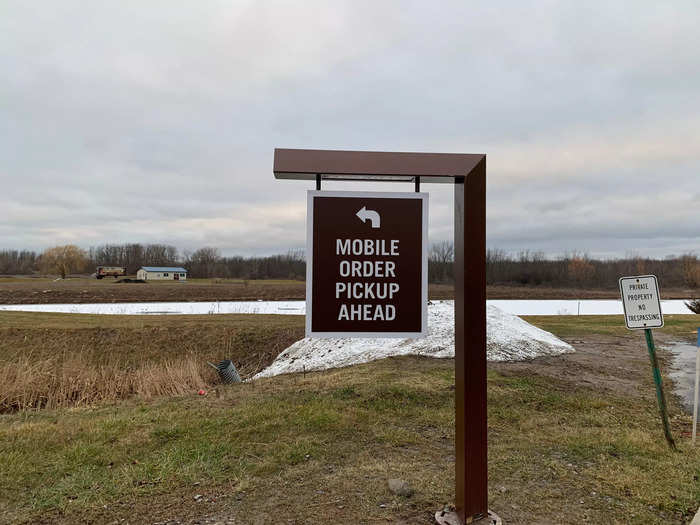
(683, 326)
(320, 448)
(251, 433)
(345, 432)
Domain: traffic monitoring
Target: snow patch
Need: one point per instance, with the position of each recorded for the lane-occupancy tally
(514, 306)
(509, 338)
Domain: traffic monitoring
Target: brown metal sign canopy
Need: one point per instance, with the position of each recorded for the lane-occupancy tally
(307, 164)
(468, 174)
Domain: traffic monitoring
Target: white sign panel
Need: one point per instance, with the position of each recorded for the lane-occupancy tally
(641, 302)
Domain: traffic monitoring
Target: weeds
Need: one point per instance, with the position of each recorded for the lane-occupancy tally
(84, 379)
(62, 360)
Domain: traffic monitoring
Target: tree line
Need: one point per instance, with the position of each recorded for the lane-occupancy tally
(205, 262)
(525, 268)
(576, 270)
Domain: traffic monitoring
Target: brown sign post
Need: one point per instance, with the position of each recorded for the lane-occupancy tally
(366, 264)
(468, 174)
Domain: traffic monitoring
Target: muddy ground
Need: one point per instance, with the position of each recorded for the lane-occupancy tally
(35, 291)
(87, 290)
(618, 364)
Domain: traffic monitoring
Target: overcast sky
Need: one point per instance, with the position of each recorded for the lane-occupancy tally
(156, 121)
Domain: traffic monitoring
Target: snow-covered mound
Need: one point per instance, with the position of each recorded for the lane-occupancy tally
(509, 338)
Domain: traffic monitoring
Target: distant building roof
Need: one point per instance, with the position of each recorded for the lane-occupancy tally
(163, 269)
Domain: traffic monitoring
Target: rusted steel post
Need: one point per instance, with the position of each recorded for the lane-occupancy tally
(471, 473)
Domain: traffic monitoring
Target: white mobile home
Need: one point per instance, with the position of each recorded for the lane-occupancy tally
(161, 273)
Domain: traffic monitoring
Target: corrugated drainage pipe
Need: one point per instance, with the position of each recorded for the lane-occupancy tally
(227, 372)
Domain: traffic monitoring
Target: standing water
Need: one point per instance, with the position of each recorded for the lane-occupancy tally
(683, 371)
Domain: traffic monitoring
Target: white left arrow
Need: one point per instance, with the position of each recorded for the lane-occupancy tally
(363, 214)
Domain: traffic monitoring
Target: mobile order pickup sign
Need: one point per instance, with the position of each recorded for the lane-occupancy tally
(343, 297)
(366, 264)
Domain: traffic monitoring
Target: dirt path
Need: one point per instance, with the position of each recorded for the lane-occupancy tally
(610, 363)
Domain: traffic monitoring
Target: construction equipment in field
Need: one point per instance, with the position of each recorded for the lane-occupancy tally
(110, 271)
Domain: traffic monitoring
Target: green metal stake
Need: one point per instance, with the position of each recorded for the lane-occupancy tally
(659, 387)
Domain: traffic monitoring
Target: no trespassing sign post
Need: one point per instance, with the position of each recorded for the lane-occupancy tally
(641, 302)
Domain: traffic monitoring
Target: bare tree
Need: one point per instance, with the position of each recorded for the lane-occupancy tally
(441, 256)
(580, 270)
(160, 255)
(203, 262)
(63, 260)
(442, 251)
(296, 254)
(17, 262)
(691, 270)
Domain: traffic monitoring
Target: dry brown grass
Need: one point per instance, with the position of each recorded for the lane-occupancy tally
(84, 379)
(64, 360)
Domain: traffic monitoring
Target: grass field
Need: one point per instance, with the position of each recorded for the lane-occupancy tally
(320, 448)
(678, 326)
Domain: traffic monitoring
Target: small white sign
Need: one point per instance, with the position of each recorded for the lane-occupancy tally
(641, 302)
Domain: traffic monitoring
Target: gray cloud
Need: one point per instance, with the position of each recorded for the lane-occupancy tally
(156, 121)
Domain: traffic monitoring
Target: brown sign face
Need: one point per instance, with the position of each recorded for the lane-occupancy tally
(366, 264)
